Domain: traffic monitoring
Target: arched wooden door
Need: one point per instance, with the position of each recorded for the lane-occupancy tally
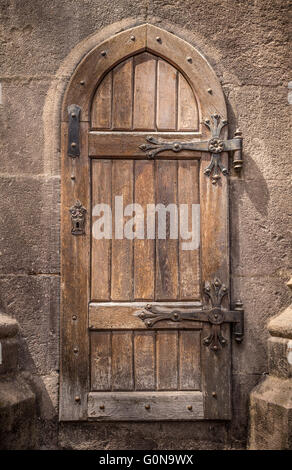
(140, 341)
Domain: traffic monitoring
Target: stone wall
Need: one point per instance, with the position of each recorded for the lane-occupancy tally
(246, 42)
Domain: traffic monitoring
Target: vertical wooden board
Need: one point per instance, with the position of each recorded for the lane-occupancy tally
(144, 250)
(216, 366)
(188, 116)
(75, 260)
(100, 361)
(216, 377)
(189, 360)
(122, 360)
(122, 249)
(166, 96)
(167, 360)
(189, 260)
(144, 92)
(102, 103)
(100, 249)
(144, 360)
(214, 224)
(123, 95)
(166, 250)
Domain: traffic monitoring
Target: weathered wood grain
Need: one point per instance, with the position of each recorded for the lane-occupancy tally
(100, 360)
(144, 92)
(126, 145)
(123, 95)
(122, 248)
(166, 96)
(122, 360)
(115, 315)
(189, 260)
(166, 358)
(189, 360)
(144, 249)
(101, 111)
(166, 250)
(145, 406)
(188, 114)
(100, 249)
(144, 360)
(75, 284)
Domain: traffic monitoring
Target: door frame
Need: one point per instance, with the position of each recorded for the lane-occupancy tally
(75, 186)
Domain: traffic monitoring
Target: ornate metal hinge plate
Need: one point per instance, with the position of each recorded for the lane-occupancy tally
(73, 130)
(211, 312)
(77, 218)
(215, 146)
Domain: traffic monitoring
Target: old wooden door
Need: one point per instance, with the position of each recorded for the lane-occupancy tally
(143, 336)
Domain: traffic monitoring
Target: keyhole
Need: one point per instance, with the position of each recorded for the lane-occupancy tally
(77, 224)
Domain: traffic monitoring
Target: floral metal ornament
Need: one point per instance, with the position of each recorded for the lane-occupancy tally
(215, 146)
(212, 312)
(77, 218)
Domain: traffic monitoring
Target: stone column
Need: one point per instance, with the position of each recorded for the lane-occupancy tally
(271, 400)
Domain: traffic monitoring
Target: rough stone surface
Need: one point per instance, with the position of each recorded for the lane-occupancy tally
(281, 325)
(17, 414)
(271, 415)
(246, 43)
(279, 352)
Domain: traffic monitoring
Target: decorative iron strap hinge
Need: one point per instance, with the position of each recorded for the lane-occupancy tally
(73, 130)
(215, 146)
(212, 313)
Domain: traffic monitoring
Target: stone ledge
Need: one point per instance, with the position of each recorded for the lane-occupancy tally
(281, 325)
(8, 326)
(271, 415)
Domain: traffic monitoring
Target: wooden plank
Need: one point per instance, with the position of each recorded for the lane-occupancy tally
(216, 367)
(166, 250)
(126, 145)
(75, 282)
(144, 91)
(145, 406)
(114, 315)
(122, 249)
(122, 360)
(144, 250)
(188, 115)
(144, 360)
(189, 360)
(94, 66)
(100, 248)
(100, 361)
(216, 377)
(101, 105)
(166, 360)
(166, 96)
(123, 95)
(189, 260)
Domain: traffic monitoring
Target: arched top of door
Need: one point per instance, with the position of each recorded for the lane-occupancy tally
(180, 54)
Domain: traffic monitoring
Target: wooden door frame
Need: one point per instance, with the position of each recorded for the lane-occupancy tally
(75, 181)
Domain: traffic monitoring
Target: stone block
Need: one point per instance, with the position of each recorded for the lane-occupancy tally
(30, 225)
(280, 363)
(9, 355)
(143, 436)
(271, 415)
(21, 127)
(34, 302)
